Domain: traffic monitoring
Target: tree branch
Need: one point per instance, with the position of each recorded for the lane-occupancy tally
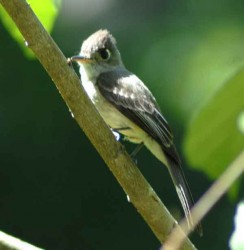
(134, 184)
(8, 242)
(207, 201)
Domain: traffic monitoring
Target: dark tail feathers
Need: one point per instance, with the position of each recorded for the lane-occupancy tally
(183, 191)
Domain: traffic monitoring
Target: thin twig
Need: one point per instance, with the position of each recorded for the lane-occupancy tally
(8, 242)
(207, 201)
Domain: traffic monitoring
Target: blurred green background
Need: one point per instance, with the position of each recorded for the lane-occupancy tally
(55, 191)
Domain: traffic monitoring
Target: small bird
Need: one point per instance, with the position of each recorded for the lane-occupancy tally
(128, 107)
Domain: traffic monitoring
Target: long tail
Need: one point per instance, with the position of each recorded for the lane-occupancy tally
(183, 191)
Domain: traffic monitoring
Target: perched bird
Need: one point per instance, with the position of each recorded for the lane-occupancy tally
(128, 106)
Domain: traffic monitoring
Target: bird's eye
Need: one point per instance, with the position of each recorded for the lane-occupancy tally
(105, 54)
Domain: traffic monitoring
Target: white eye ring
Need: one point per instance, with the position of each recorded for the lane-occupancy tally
(104, 54)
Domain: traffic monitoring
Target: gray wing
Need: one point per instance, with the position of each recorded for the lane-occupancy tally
(129, 95)
(133, 99)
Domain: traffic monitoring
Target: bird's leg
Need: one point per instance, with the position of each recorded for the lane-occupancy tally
(120, 129)
(138, 147)
(116, 131)
(136, 151)
(69, 62)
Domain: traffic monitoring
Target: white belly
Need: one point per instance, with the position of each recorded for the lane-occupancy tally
(112, 116)
(117, 120)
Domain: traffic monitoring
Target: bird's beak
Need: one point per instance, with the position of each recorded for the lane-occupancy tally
(81, 59)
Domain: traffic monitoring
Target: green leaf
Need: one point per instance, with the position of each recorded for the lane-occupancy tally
(46, 11)
(216, 136)
(186, 66)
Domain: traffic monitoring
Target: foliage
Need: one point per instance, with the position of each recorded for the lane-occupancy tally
(237, 240)
(214, 138)
(46, 10)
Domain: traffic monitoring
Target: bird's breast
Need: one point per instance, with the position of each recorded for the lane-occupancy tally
(116, 120)
(112, 116)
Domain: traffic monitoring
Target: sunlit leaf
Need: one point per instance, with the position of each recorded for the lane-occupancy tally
(46, 11)
(237, 239)
(186, 67)
(214, 138)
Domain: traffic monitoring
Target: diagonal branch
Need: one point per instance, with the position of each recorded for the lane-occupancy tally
(134, 184)
(8, 242)
(208, 200)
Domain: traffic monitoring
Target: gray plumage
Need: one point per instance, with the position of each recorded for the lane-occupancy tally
(125, 102)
